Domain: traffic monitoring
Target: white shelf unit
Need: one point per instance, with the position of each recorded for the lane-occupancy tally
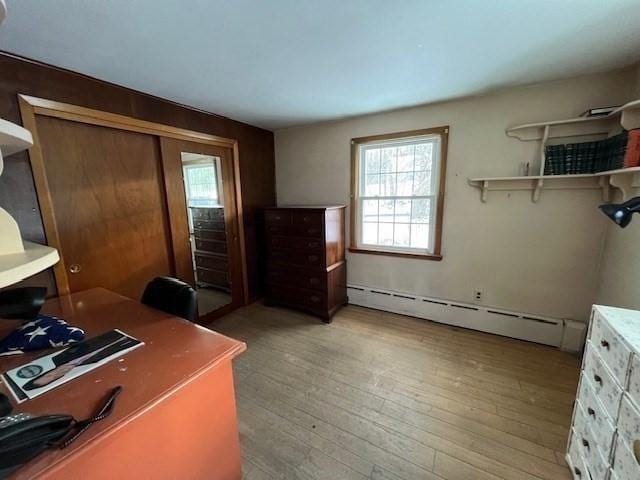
(18, 259)
(623, 179)
(627, 116)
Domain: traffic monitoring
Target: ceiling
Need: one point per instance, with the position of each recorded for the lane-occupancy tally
(280, 63)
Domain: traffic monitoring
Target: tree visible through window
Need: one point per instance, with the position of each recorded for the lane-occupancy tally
(202, 185)
(397, 193)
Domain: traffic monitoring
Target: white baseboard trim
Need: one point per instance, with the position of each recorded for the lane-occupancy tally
(523, 326)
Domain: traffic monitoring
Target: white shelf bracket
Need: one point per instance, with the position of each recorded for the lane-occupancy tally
(606, 188)
(483, 193)
(625, 183)
(536, 191)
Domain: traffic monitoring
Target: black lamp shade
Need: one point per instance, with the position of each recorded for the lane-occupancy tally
(621, 213)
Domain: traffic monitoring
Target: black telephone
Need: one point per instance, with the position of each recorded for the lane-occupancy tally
(23, 437)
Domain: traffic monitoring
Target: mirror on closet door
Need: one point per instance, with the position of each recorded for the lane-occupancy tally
(208, 235)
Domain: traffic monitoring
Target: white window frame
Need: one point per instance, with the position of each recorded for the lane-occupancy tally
(439, 138)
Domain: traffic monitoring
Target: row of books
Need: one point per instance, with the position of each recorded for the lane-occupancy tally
(618, 151)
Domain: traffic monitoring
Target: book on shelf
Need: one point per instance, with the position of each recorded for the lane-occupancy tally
(632, 153)
(599, 111)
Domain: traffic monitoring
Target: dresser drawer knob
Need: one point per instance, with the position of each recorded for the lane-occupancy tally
(315, 298)
(312, 244)
(313, 258)
(604, 344)
(314, 281)
(591, 412)
(585, 443)
(598, 379)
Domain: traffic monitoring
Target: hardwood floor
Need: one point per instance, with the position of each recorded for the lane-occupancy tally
(385, 397)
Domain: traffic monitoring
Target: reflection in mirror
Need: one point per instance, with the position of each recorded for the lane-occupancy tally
(205, 211)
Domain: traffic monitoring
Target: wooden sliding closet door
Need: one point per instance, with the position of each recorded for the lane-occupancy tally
(109, 206)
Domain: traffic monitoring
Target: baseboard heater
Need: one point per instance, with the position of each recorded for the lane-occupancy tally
(533, 328)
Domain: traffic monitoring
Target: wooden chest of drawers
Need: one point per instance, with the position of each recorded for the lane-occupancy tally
(306, 266)
(605, 431)
(210, 255)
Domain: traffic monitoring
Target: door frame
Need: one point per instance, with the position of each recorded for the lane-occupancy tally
(32, 106)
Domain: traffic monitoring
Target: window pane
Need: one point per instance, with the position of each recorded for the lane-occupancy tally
(424, 153)
(403, 211)
(420, 236)
(422, 183)
(388, 160)
(386, 210)
(372, 161)
(420, 210)
(405, 185)
(405, 158)
(370, 233)
(388, 185)
(370, 210)
(401, 235)
(385, 234)
(372, 186)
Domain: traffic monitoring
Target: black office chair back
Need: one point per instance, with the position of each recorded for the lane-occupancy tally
(172, 296)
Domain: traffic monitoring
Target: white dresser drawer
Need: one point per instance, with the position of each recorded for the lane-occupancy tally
(634, 380)
(625, 464)
(597, 417)
(596, 460)
(629, 422)
(612, 349)
(605, 387)
(575, 459)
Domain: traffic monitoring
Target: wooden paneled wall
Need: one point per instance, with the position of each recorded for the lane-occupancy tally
(17, 191)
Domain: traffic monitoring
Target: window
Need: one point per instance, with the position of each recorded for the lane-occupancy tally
(397, 192)
(201, 185)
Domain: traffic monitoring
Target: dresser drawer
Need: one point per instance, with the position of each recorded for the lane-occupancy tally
(629, 422)
(295, 243)
(596, 459)
(307, 219)
(605, 386)
(576, 461)
(613, 351)
(626, 465)
(212, 246)
(298, 277)
(213, 214)
(634, 379)
(294, 257)
(212, 262)
(214, 277)
(310, 231)
(277, 218)
(202, 234)
(307, 299)
(209, 225)
(597, 417)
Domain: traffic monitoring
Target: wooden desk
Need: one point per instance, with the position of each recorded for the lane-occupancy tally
(176, 417)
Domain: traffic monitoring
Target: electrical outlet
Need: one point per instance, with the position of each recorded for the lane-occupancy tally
(477, 295)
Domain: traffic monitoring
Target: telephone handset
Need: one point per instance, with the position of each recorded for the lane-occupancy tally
(23, 437)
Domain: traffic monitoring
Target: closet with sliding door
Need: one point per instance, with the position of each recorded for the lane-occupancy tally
(125, 200)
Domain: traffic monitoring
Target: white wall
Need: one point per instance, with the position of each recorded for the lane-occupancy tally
(538, 258)
(619, 282)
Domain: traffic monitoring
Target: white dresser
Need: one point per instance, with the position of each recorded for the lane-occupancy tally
(604, 443)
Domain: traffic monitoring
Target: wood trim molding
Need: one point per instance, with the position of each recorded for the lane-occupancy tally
(32, 106)
(444, 144)
(67, 111)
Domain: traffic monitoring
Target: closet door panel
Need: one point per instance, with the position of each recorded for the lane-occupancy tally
(109, 205)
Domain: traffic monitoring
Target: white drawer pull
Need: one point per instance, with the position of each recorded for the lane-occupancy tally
(598, 379)
(591, 412)
(577, 471)
(585, 443)
(604, 344)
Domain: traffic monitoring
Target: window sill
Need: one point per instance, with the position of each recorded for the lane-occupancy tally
(418, 256)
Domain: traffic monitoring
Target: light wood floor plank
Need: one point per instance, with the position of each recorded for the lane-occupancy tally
(387, 397)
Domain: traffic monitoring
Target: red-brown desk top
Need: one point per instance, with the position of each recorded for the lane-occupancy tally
(175, 352)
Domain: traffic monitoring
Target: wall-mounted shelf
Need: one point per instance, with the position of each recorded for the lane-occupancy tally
(622, 179)
(18, 266)
(627, 116)
(13, 138)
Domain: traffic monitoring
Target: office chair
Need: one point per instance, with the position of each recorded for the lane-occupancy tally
(172, 296)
